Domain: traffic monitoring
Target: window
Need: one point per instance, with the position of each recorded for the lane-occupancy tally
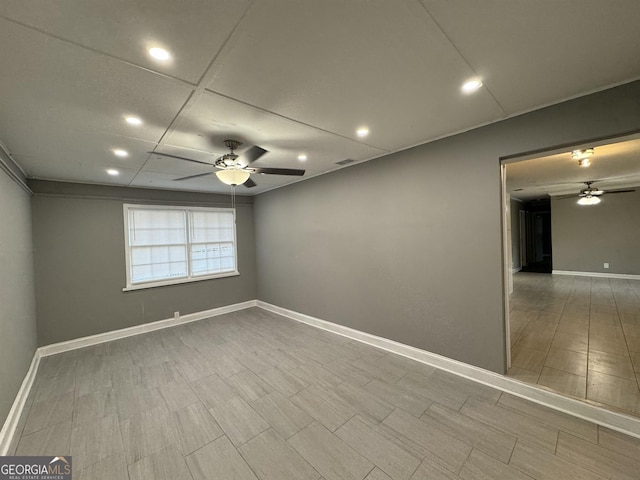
(167, 245)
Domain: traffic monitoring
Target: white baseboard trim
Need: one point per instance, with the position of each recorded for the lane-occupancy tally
(596, 274)
(138, 329)
(11, 423)
(516, 270)
(613, 420)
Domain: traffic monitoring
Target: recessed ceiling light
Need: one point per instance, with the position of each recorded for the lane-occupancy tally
(159, 54)
(472, 85)
(302, 157)
(131, 120)
(113, 172)
(118, 152)
(362, 132)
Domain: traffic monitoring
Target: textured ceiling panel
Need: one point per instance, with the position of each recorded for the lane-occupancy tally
(339, 65)
(532, 53)
(192, 30)
(293, 77)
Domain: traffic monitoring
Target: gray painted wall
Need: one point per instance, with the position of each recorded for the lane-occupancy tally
(80, 262)
(408, 246)
(18, 337)
(585, 237)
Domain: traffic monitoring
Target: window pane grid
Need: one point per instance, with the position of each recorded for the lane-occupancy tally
(179, 243)
(208, 258)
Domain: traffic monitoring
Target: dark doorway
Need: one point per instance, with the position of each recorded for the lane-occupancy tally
(537, 235)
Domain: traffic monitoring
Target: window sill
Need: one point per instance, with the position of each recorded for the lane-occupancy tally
(165, 283)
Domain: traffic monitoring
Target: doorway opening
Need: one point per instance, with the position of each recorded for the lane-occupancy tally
(573, 314)
(535, 236)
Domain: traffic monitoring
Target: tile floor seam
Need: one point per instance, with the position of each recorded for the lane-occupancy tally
(246, 460)
(626, 342)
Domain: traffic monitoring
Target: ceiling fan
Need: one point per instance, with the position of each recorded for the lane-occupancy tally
(590, 195)
(234, 169)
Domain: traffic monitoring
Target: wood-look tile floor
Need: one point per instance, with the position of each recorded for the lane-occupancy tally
(252, 395)
(579, 336)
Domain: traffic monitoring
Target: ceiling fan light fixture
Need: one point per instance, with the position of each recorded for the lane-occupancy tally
(582, 153)
(233, 176)
(589, 200)
(584, 162)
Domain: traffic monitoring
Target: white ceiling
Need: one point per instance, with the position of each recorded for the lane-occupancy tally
(291, 76)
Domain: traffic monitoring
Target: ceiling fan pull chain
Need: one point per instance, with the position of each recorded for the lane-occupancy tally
(233, 197)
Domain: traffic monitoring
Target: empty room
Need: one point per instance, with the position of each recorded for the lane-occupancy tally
(268, 239)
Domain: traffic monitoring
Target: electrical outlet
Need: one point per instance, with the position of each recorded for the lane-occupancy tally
(176, 315)
(606, 265)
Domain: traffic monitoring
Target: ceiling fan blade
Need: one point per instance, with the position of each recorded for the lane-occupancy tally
(253, 154)
(276, 171)
(249, 183)
(180, 158)
(192, 176)
(618, 191)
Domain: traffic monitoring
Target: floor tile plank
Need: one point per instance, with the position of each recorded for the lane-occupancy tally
(553, 418)
(542, 465)
(324, 405)
(510, 422)
(92, 442)
(195, 427)
(48, 412)
(56, 438)
(146, 433)
(219, 459)
(272, 458)
(238, 420)
(285, 417)
(427, 438)
(283, 381)
(619, 442)
(480, 435)
(247, 385)
(399, 395)
(166, 464)
(329, 455)
(108, 468)
(395, 461)
(212, 390)
(480, 466)
(593, 457)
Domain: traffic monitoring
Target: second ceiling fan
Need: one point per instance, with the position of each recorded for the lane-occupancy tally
(590, 195)
(234, 169)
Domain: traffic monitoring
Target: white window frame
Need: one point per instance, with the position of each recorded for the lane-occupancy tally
(175, 281)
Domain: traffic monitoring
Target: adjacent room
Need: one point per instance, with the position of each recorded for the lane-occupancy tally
(272, 239)
(573, 312)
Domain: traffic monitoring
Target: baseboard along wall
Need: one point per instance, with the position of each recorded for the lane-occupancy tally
(596, 274)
